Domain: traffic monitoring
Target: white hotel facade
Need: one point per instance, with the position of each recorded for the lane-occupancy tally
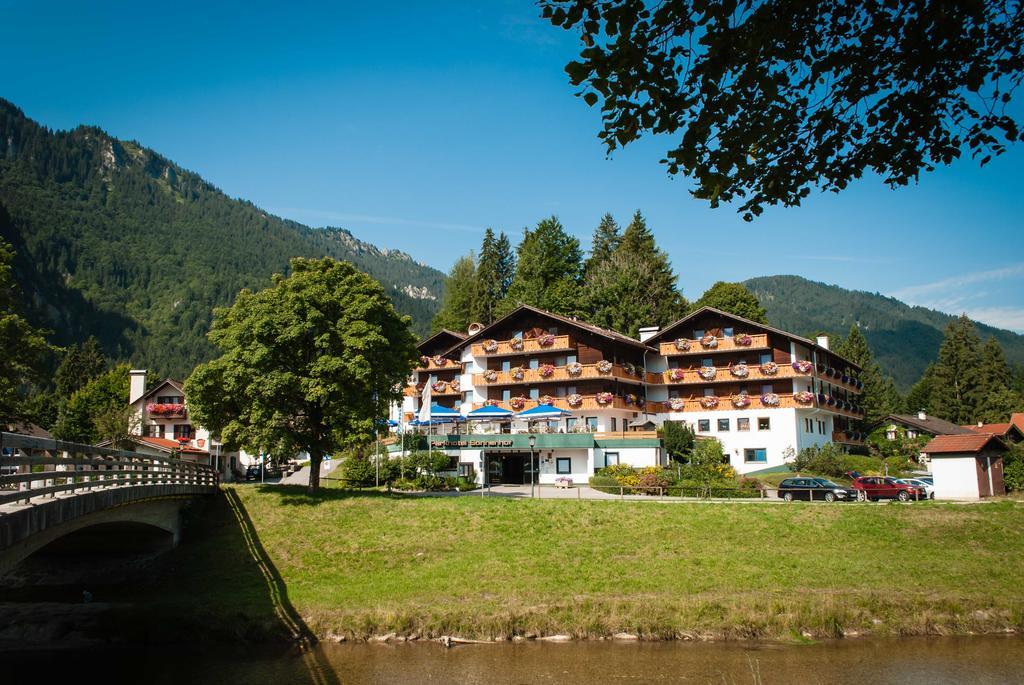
(765, 394)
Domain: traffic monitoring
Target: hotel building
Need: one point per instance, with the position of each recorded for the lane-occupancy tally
(764, 393)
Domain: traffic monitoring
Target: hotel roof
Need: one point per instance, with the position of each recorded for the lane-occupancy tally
(582, 325)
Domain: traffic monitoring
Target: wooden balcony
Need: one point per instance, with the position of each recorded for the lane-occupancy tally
(529, 346)
(725, 404)
(757, 342)
(561, 375)
(723, 375)
(846, 439)
(413, 391)
(627, 435)
(433, 367)
(589, 404)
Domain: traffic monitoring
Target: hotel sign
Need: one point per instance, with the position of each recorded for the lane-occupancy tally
(470, 443)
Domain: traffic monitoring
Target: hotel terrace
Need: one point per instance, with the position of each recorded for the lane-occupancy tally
(764, 393)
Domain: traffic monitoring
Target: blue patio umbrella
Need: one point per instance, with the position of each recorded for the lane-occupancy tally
(489, 414)
(543, 412)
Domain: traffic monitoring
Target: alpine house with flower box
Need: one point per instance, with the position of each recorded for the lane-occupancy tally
(163, 426)
(436, 368)
(762, 392)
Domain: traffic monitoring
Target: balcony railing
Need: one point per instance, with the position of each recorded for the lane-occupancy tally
(786, 401)
(757, 342)
(159, 410)
(432, 366)
(847, 438)
(588, 403)
(560, 375)
(448, 391)
(505, 348)
(725, 374)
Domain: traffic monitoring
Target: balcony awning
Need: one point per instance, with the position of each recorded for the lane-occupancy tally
(489, 414)
(543, 412)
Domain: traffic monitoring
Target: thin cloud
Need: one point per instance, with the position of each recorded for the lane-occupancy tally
(807, 257)
(1011, 318)
(953, 283)
(377, 219)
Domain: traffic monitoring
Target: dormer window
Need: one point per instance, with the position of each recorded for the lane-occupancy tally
(698, 333)
(727, 331)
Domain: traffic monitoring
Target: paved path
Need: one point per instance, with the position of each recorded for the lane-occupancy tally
(301, 477)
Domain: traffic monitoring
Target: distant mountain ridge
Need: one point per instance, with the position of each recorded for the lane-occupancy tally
(115, 240)
(903, 338)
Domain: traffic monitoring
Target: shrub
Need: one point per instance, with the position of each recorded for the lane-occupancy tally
(429, 462)
(616, 471)
(604, 483)
(827, 460)
(357, 470)
(1013, 467)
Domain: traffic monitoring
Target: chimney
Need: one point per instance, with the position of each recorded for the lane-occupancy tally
(136, 384)
(648, 332)
(921, 415)
(823, 341)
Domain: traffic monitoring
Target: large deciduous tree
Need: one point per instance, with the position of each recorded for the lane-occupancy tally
(548, 269)
(634, 286)
(733, 298)
(766, 100)
(23, 349)
(308, 364)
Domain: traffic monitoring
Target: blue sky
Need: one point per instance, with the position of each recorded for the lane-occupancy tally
(417, 127)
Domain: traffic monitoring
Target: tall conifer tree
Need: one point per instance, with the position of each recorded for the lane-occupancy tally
(879, 396)
(997, 396)
(607, 239)
(547, 270)
(459, 294)
(494, 273)
(956, 377)
(634, 286)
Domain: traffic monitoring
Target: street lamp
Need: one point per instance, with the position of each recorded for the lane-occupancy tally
(533, 472)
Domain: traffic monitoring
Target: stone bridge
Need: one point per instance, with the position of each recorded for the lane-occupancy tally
(50, 488)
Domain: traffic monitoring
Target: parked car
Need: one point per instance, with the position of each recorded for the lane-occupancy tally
(252, 473)
(929, 487)
(884, 487)
(819, 489)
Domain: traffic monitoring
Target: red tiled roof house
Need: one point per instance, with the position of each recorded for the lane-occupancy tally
(967, 466)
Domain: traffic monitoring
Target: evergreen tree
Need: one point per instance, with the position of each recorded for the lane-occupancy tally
(459, 295)
(921, 392)
(733, 298)
(879, 396)
(494, 272)
(79, 365)
(635, 286)
(997, 396)
(547, 273)
(23, 348)
(607, 239)
(956, 378)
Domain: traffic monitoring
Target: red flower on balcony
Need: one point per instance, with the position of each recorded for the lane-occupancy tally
(547, 370)
(165, 409)
(546, 340)
(604, 398)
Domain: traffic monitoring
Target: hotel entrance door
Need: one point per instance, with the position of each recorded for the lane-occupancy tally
(509, 468)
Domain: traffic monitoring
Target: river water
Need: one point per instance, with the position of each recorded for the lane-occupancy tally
(916, 661)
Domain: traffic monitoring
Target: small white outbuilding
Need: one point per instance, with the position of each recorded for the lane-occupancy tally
(966, 467)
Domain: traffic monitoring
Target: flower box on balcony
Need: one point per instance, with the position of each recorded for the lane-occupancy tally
(165, 409)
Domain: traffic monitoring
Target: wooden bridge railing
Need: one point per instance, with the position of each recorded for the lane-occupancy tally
(33, 467)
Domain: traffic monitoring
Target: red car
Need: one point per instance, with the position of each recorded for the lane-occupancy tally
(883, 487)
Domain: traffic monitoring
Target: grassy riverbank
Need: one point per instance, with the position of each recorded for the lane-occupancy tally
(365, 564)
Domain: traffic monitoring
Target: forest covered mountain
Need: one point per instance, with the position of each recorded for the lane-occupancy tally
(903, 338)
(115, 241)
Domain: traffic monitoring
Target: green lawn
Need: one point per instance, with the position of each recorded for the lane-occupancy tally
(360, 564)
